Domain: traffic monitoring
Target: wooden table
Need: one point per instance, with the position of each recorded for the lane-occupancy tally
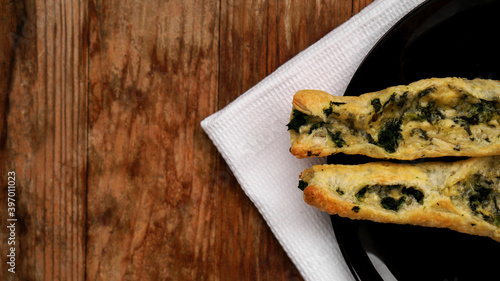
(101, 103)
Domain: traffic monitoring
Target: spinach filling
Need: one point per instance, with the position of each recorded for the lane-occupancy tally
(430, 113)
(315, 126)
(377, 106)
(370, 139)
(391, 99)
(390, 135)
(329, 110)
(479, 197)
(339, 142)
(402, 99)
(302, 185)
(361, 193)
(421, 133)
(398, 100)
(483, 200)
(386, 194)
(390, 203)
(425, 92)
(481, 112)
(415, 193)
(298, 120)
(463, 122)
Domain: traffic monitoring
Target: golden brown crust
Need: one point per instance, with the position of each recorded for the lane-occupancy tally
(435, 117)
(448, 188)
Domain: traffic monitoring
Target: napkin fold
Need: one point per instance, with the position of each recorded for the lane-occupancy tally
(251, 135)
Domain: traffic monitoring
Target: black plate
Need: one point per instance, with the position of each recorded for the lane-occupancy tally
(438, 39)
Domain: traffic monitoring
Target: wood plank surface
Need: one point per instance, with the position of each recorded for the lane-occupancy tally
(153, 77)
(100, 106)
(43, 137)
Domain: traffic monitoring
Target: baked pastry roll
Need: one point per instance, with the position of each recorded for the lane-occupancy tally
(428, 118)
(463, 196)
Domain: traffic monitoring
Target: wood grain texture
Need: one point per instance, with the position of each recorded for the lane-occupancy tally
(100, 106)
(153, 77)
(358, 5)
(43, 136)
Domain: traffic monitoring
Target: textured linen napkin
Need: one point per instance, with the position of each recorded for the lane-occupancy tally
(251, 135)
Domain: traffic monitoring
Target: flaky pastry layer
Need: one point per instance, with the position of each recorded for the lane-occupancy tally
(428, 118)
(463, 196)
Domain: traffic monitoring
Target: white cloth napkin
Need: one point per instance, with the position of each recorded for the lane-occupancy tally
(251, 135)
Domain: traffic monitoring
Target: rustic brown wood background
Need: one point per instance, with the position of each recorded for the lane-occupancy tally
(100, 106)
